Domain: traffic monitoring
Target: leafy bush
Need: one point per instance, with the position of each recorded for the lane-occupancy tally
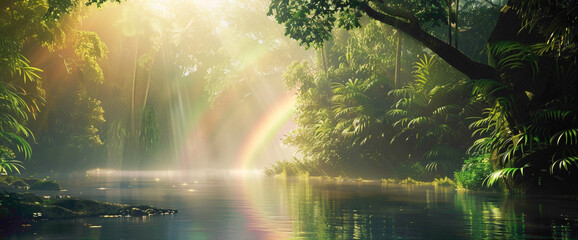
(474, 172)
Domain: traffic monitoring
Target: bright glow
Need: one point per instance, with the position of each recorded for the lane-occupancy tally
(159, 7)
(265, 129)
(211, 4)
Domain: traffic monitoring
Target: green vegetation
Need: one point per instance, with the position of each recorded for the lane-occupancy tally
(516, 114)
(7, 161)
(396, 89)
(294, 168)
(445, 181)
(474, 172)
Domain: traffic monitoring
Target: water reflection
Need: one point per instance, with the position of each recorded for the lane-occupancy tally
(324, 210)
(234, 206)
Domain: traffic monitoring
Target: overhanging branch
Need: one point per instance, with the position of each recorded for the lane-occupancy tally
(451, 55)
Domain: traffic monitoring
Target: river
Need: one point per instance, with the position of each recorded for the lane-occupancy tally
(238, 205)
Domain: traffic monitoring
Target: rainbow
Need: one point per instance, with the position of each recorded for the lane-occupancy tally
(264, 130)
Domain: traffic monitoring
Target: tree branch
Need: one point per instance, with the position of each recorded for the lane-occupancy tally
(451, 55)
(396, 12)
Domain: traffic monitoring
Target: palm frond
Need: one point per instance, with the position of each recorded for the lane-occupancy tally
(503, 173)
(567, 136)
(435, 166)
(487, 87)
(512, 55)
(481, 145)
(564, 163)
(447, 109)
(421, 121)
(7, 166)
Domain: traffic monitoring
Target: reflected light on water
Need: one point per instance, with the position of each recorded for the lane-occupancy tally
(223, 204)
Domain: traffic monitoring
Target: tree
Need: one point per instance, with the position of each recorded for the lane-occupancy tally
(531, 49)
(29, 27)
(311, 22)
(343, 99)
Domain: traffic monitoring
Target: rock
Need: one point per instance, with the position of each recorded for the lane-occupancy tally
(47, 185)
(19, 184)
(28, 207)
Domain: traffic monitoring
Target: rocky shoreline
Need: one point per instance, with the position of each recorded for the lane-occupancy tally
(17, 208)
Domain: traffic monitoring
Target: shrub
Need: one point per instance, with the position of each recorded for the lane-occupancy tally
(473, 173)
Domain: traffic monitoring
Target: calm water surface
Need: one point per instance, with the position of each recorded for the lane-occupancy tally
(229, 205)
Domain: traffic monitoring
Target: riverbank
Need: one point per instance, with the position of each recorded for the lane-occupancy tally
(437, 181)
(20, 207)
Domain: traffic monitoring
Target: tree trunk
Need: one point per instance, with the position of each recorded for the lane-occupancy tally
(457, 30)
(449, 3)
(397, 60)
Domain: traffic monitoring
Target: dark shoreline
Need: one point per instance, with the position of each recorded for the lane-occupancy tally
(19, 210)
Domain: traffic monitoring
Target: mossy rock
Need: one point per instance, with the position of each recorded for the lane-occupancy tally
(19, 184)
(41, 211)
(30, 181)
(89, 207)
(46, 185)
(27, 207)
(4, 186)
(8, 179)
(30, 198)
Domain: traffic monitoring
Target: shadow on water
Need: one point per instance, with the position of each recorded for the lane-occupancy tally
(235, 205)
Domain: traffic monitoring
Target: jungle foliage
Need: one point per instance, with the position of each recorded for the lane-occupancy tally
(520, 105)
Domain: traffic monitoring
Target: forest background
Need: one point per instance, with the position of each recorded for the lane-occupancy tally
(478, 90)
